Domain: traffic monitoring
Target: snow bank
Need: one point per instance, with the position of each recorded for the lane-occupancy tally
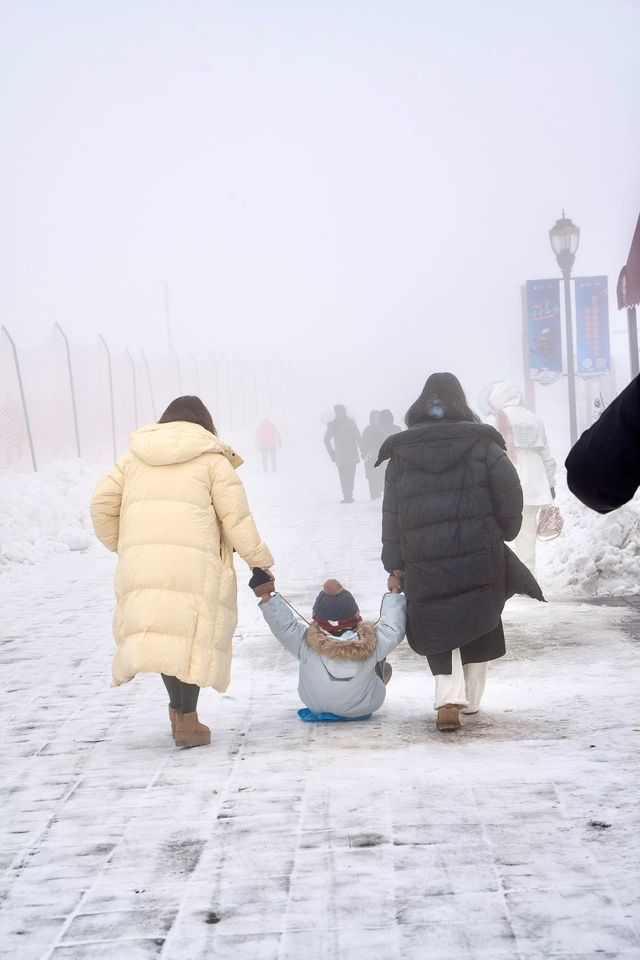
(46, 512)
(596, 555)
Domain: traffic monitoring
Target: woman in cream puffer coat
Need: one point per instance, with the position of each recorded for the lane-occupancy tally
(174, 510)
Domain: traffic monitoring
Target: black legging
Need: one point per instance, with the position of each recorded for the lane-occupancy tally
(182, 696)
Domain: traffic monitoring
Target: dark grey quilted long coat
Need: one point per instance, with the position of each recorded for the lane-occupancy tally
(452, 497)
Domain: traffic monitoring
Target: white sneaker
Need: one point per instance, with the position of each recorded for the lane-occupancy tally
(469, 711)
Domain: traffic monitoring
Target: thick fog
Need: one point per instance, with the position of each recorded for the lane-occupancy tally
(359, 187)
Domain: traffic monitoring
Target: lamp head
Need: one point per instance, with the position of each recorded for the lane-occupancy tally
(565, 238)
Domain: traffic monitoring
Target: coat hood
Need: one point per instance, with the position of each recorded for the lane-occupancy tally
(357, 644)
(343, 655)
(438, 444)
(505, 394)
(159, 444)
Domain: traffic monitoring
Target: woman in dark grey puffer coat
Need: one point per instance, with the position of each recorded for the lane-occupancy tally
(452, 498)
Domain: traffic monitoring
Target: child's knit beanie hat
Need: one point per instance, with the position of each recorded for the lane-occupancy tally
(334, 604)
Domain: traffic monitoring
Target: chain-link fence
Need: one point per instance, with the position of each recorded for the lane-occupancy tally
(66, 400)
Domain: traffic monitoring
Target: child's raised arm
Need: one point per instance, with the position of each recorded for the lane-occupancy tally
(283, 624)
(392, 626)
(279, 616)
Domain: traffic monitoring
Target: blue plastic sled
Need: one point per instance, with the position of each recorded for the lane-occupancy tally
(310, 717)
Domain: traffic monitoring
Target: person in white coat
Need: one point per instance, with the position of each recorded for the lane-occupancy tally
(528, 450)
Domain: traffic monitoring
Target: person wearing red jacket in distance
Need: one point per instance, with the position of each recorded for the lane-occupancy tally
(269, 439)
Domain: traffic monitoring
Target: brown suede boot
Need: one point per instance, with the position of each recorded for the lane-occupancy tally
(448, 717)
(190, 732)
(173, 714)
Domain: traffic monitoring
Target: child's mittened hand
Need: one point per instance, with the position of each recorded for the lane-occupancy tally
(264, 590)
(262, 582)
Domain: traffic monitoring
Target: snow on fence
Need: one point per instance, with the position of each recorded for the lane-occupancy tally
(64, 399)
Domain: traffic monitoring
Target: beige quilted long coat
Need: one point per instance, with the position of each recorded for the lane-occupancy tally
(174, 509)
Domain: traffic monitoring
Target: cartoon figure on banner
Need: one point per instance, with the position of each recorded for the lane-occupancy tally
(546, 344)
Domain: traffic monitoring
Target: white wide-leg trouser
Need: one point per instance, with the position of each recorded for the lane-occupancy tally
(464, 685)
(524, 545)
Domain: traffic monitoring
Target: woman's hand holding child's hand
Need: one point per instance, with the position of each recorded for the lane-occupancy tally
(262, 583)
(395, 581)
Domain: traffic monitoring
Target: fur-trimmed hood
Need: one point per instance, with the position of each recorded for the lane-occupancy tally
(355, 646)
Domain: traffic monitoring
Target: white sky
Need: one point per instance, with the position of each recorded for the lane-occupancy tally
(368, 178)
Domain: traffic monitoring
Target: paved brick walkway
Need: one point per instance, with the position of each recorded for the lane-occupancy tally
(517, 837)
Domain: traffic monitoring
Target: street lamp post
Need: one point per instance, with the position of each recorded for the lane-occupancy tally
(565, 237)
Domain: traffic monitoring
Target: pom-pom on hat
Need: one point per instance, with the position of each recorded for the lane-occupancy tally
(334, 604)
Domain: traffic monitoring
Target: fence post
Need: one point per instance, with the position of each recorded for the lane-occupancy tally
(135, 388)
(113, 413)
(177, 359)
(146, 366)
(71, 386)
(269, 384)
(215, 383)
(283, 387)
(229, 400)
(25, 411)
(243, 393)
(289, 381)
(197, 371)
(254, 381)
(529, 385)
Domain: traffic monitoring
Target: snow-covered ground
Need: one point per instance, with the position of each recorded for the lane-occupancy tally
(517, 837)
(47, 513)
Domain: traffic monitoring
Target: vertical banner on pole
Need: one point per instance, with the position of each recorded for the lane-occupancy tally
(545, 331)
(111, 400)
(592, 326)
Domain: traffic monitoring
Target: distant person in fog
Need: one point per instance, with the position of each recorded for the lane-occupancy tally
(528, 450)
(344, 445)
(269, 439)
(372, 439)
(388, 428)
(174, 510)
(387, 424)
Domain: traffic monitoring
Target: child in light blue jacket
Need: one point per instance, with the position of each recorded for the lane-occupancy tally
(342, 671)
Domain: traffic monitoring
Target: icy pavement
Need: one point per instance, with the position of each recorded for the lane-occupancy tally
(517, 837)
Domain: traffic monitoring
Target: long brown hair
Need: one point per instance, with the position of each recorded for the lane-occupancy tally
(189, 410)
(442, 397)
